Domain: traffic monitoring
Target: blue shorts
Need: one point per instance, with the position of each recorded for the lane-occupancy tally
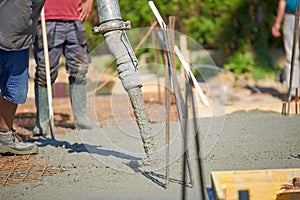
(14, 75)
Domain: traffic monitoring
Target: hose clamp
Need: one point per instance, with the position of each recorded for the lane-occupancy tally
(111, 26)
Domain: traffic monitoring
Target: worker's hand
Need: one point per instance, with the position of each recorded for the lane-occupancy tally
(276, 30)
(85, 9)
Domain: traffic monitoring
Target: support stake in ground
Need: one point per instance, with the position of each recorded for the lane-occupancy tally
(171, 76)
(295, 41)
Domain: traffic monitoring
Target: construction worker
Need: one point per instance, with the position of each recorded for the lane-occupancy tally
(286, 11)
(17, 29)
(66, 35)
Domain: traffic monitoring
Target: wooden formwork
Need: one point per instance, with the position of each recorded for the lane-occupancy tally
(260, 184)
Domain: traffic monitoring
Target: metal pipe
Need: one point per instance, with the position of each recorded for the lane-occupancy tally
(108, 10)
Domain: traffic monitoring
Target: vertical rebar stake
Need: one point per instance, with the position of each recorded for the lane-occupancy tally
(297, 101)
(295, 41)
(283, 111)
(171, 43)
(168, 95)
(198, 149)
(177, 94)
(189, 97)
(186, 110)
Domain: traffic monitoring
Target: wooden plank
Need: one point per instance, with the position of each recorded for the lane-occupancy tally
(293, 194)
(217, 187)
(261, 184)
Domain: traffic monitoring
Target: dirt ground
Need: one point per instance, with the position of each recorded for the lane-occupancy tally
(102, 163)
(111, 105)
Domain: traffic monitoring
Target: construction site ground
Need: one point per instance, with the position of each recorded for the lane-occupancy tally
(249, 133)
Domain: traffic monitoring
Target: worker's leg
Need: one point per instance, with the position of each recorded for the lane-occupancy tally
(7, 114)
(288, 37)
(77, 64)
(13, 91)
(55, 45)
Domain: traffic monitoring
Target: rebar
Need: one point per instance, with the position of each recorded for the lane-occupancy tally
(177, 93)
(17, 169)
(295, 41)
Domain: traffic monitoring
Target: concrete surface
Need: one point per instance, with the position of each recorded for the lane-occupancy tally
(101, 163)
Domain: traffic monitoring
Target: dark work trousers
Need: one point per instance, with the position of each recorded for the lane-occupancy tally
(67, 38)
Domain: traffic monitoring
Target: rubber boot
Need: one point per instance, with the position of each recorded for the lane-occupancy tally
(42, 111)
(78, 102)
(140, 112)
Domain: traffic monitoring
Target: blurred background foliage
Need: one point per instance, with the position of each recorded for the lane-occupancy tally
(241, 29)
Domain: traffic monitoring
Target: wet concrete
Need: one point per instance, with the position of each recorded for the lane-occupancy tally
(100, 161)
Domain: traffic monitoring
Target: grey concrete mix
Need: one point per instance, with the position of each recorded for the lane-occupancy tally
(101, 163)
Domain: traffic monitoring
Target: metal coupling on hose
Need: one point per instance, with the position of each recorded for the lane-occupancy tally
(111, 26)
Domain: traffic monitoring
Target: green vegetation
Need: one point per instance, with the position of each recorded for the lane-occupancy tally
(240, 28)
